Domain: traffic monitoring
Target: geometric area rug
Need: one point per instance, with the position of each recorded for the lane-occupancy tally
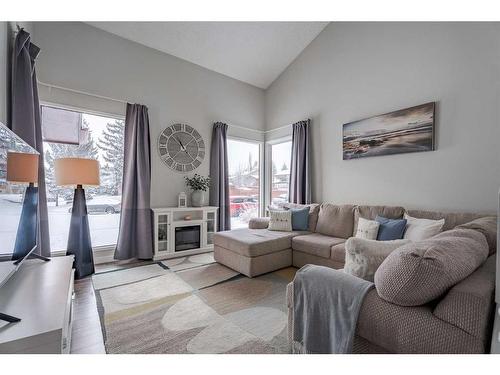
(205, 309)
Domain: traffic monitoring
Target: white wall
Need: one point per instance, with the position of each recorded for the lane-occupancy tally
(80, 57)
(356, 70)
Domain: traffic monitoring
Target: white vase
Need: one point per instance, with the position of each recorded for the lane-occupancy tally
(198, 198)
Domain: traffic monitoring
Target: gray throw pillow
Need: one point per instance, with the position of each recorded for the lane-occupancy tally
(420, 272)
(363, 256)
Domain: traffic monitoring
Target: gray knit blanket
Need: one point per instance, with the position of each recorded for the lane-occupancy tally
(326, 305)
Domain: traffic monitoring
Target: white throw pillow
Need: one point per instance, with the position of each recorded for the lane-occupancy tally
(421, 229)
(367, 229)
(280, 221)
(363, 257)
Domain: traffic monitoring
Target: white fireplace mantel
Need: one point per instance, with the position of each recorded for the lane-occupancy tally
(167, 219)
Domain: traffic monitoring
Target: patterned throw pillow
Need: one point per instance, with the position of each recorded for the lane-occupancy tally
(367, 229)
(363, 257)
(280, 221)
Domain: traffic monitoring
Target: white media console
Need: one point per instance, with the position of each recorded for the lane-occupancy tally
(181, 231)
(40, 294)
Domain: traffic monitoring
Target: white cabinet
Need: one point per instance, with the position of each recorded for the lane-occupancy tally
(181, 231)
(40, 294)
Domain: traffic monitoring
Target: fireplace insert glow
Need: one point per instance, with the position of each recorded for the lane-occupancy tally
(187, 238)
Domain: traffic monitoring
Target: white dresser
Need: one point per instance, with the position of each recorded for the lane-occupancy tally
(181, 231)
(40, 294)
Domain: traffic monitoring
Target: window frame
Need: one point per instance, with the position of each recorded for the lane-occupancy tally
(269, 164)
(96, 249)
(262, 164)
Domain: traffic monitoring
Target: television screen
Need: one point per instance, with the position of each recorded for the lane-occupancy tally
(11, 195)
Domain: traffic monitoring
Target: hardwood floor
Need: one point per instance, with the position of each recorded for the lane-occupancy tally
(86, 334)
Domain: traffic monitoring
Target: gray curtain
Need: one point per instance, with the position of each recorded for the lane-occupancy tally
(135, 238)
(25, 121)
(219, 189)
(300, 167)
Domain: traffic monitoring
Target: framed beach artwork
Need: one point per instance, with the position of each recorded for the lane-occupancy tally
(402, 131)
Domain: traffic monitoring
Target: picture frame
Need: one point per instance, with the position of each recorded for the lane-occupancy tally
(403, 131)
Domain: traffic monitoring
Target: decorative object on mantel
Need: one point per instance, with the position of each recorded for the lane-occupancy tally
(182, 200)
(402, 131)
(181, 148)
(199, 185)
(187, 217)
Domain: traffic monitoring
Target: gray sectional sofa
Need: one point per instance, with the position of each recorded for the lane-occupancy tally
(256, 250)
(457, 322)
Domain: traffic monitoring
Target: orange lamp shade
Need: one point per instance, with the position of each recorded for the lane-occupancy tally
(76, 171)
(22, 168)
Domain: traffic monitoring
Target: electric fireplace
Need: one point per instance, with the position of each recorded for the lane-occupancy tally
(187, 237)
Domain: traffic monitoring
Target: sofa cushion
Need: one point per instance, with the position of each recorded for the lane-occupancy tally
(488, 227)
(254, 242)
(468, 304)
(316, 244)
(451, 220)
(412, 330)
(371, 212)
(419, 272)
(364, 256)
(335, 221)
(338, 253)
(313, 213)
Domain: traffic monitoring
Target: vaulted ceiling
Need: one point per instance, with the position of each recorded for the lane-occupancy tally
(252, 52)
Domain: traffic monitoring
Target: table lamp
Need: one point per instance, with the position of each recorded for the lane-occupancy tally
(22, 168)
(79, 172)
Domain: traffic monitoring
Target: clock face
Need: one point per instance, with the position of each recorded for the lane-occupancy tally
(181, 147)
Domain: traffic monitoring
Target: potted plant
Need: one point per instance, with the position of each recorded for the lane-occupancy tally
(199, 185)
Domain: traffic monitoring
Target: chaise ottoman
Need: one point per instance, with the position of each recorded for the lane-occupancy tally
(253, 252)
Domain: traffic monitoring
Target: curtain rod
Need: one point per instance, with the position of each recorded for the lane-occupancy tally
(82, 92)
(49, 85)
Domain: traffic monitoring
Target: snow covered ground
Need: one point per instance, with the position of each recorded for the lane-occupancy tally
(103, 227)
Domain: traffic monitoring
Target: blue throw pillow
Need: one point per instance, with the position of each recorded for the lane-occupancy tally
(300, 218)
(390, 229)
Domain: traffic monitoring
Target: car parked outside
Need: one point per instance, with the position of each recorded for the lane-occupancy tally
(240, 204)
(104, 204)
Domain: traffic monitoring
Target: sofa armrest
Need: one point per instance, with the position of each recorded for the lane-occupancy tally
(469, 304)
(258, 223)
(412, 329)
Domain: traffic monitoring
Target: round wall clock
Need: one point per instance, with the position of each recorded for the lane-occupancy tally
(181, 147)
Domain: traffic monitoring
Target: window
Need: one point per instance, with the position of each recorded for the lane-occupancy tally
(281, 155)
(11, 194)
(244, 181)
(95, 137)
